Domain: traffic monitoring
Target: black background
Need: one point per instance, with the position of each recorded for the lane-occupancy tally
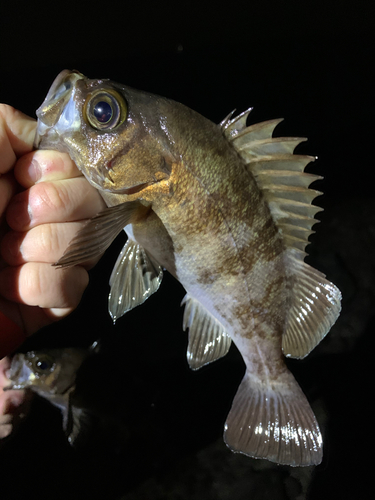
(309, 62)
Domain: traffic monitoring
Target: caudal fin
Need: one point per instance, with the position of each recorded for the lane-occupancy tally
(274, 422)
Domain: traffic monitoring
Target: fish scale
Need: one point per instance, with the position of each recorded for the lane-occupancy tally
(227, 210)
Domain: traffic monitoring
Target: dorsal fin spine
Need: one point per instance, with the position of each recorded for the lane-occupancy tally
(279, 174)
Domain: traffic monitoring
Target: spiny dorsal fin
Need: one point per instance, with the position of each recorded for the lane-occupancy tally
(224, 123)
(279, 175)
(315, 302)
(233, 127)
(208, 340)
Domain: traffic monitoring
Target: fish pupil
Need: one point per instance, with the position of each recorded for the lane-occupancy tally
(43, 365)
(103, 112)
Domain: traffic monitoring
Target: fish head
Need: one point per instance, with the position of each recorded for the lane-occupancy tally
(45, 372)
(113, 133)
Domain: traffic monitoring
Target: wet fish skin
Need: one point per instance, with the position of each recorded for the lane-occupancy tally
(227, 210)
(52, 375)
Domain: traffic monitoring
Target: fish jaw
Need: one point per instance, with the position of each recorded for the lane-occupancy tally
(58, 113)
(59, 118)
(20, 374)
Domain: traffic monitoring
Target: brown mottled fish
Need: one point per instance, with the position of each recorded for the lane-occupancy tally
(52, 375)
(225, 209)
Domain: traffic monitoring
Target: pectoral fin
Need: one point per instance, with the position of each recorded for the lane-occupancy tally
(63, 403)
(74, 419)
(97, 235)
(80, 419)
(134, 278)
(208, 341)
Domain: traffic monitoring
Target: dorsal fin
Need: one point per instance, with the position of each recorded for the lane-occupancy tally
(315, 302)
(279, 175)
(236, 125)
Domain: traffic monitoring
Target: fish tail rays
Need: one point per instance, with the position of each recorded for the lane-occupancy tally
(274, 422)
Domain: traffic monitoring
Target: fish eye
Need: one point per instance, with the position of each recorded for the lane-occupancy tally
(105, 110)
(43, 364)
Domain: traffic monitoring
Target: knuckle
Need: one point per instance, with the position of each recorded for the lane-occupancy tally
(47, 242)
(74, 283)
(50, 196)
(6, 110)
(30, 286)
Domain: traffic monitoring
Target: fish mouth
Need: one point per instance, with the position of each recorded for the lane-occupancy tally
(58, 96)
(57, 113)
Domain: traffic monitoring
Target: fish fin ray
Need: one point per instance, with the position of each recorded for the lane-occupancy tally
(64, 405)
(256, 132)
(135, 277)
(98, 234)
(315, 306)
(208, 340)
(236, 125)
(281, 178)
(275, 423)
(80, 419)
(224, 123)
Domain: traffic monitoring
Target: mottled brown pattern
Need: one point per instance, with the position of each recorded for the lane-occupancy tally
(208, 223)
(219, 237)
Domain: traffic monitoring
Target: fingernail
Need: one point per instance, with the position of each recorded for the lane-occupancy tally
(34, 170)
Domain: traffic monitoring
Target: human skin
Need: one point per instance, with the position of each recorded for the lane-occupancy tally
(44, 201)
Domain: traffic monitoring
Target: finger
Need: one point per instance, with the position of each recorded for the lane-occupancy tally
(44, 243)
(17, 132)
(42, 285)
(6, 426)
(41, 166)
(22, 320)
(14, 405)
(7, 190)
(11, 400)
(4, 367)
(60, 201)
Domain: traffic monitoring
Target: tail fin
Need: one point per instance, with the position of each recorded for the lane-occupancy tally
(274, 422)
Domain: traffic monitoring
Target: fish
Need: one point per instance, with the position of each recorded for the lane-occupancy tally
(52, 373)
(227, 210)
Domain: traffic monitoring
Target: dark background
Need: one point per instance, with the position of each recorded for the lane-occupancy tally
(309, 62)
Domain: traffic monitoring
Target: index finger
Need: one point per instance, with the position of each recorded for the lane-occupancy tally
(17, 133)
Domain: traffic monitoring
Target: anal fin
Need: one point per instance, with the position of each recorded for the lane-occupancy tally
(208, 341)
(274, 422)
(135, 277)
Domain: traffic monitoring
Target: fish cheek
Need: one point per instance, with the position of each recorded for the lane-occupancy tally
(139, 166)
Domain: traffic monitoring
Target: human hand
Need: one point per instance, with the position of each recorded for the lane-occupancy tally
(42, 220)
(14, 404)
(36, 226)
